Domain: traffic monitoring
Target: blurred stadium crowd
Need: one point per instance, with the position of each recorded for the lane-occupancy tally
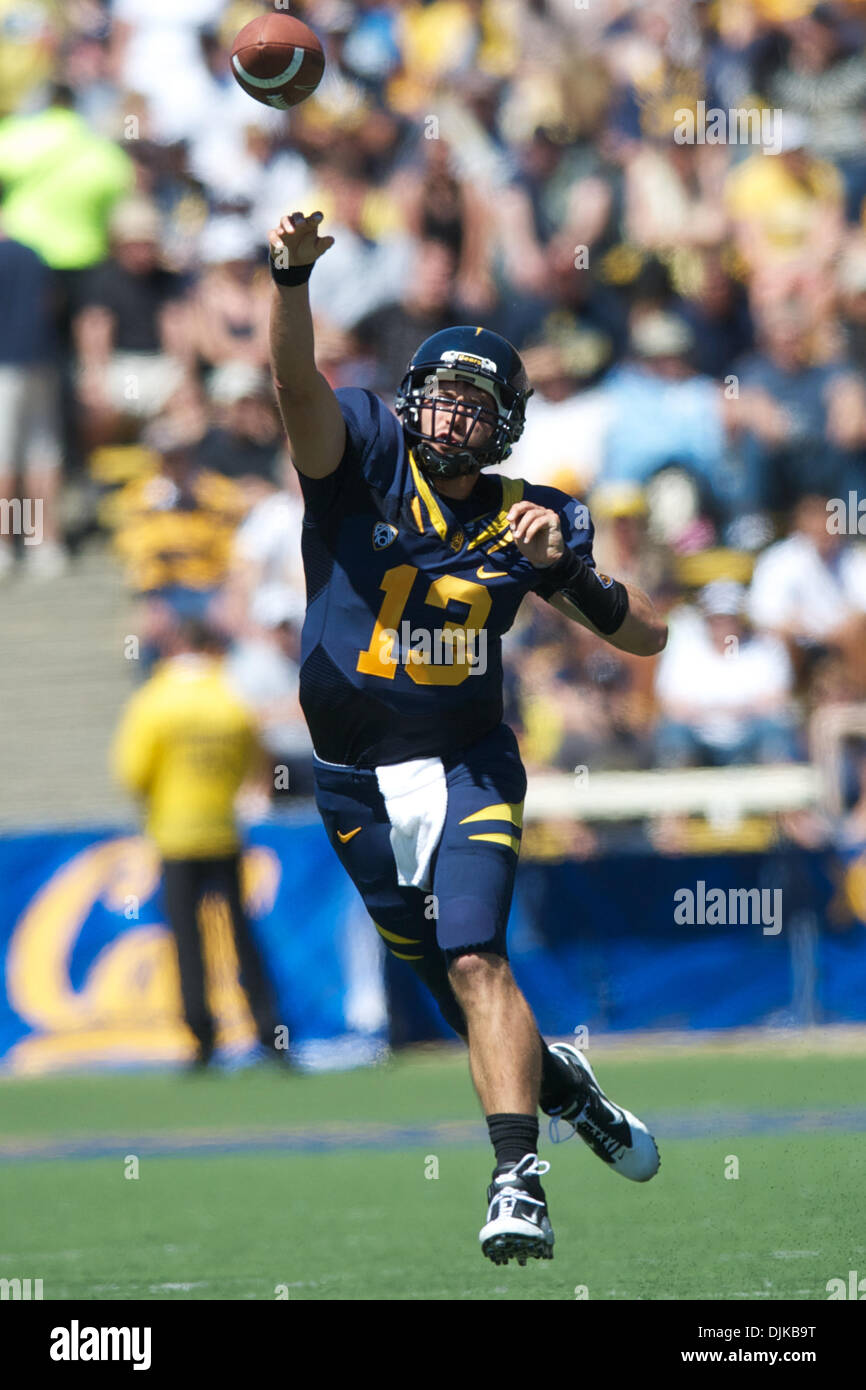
(692, 317)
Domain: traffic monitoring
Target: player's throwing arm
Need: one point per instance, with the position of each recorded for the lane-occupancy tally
(311, 413)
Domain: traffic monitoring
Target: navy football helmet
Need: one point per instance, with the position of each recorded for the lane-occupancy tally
(487, 361)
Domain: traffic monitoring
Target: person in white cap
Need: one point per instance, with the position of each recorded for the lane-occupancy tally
(725, 694)
(231, 299)
(244, 441)
(130, 330)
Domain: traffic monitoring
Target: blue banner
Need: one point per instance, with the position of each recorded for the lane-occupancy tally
(774, 939)
(90, 975)
(90, 972)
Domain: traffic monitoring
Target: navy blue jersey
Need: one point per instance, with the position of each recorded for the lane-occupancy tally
(408, 596)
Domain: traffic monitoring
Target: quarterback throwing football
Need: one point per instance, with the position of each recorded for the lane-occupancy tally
(416, 563)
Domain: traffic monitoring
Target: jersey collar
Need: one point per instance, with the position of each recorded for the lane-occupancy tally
(497, 529)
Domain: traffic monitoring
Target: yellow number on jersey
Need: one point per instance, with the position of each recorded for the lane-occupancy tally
(379, 659)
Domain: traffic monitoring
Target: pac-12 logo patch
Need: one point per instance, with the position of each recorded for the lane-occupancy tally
(384, 534)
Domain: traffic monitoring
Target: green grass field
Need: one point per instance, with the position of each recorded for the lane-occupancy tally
(249, 1181)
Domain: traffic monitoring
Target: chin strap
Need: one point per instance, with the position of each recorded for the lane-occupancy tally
(456, 465)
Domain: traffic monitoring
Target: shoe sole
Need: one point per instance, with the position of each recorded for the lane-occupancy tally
(501, 1249)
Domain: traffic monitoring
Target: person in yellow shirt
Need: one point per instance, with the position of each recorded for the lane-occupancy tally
(174, 530)
(185, 744)
(60, 181)
(786, 208)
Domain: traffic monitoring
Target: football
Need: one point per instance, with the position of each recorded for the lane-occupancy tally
(278, 60)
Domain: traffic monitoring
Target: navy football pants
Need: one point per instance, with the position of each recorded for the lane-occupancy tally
(467, 907)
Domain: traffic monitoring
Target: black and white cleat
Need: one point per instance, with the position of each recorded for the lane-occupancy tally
(615, 1136)
(518, 1226)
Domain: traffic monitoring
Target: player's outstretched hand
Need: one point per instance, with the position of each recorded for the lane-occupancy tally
(296, 240)
(537, 533)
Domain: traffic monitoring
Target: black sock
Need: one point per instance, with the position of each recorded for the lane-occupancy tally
(512, 1136)
(557, 1082)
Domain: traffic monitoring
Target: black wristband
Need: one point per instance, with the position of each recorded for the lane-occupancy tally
(601, 599)
(293, 275)
(568, 568)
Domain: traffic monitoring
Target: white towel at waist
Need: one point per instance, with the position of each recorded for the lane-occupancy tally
(416, 799)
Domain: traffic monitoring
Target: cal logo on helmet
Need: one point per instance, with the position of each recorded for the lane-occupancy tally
(384, 534)
(456, 356)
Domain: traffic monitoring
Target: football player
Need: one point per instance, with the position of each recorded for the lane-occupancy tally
(416, 563)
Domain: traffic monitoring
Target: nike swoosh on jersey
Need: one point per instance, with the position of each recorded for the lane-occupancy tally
(491, 574)
(344, 839)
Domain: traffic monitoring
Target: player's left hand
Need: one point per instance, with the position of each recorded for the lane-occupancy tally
(537, 533)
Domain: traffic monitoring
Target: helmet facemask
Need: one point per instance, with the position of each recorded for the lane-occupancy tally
(463, 456)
